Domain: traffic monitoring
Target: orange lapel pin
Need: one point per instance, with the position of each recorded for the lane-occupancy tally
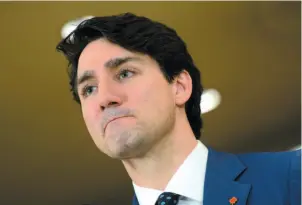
(233, 200)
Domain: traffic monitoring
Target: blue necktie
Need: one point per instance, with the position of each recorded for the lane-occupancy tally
(167, 198)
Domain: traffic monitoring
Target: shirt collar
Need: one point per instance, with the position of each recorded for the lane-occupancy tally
(187, 181)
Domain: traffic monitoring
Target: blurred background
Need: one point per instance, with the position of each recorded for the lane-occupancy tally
(249, 51)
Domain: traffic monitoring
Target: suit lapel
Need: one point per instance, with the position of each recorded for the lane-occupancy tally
(134, 200)
(220, 185)
(220, 182)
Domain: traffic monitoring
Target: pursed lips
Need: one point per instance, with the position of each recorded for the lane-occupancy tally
(115, 118)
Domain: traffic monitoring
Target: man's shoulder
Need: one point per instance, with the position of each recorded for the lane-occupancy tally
(285, 163)
(260, 165)
(293, 156)
(274, 171)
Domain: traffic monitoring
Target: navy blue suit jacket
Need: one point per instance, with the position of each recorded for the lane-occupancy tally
(253, 179)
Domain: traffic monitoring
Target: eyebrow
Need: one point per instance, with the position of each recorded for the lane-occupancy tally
(110, 64)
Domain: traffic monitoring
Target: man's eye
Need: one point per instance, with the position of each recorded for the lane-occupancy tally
(125, 74)
(88, 90)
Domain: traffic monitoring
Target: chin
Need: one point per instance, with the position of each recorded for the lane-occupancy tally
(121, 155)
(125, 151)
(124, 145)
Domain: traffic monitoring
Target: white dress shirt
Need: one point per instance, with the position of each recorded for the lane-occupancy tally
(188, 181)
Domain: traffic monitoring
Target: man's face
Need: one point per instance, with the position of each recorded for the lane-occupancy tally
(127, 104)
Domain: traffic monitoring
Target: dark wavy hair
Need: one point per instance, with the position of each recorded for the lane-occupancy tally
(142, 35)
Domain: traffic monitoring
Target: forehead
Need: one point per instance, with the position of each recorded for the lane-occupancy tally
(100, 51)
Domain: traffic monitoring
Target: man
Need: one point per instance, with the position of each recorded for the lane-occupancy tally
(139, 92)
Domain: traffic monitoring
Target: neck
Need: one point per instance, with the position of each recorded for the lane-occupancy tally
(157, 167)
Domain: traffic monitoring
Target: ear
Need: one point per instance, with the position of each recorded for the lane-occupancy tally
(183, 88)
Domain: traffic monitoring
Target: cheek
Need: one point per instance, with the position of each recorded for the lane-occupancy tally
(142, 95)
(89, 112)
(153, 97)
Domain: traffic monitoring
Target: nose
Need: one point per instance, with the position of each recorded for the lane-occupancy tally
(108, 96)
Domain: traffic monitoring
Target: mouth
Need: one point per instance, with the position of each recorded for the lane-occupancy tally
(113, 119)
